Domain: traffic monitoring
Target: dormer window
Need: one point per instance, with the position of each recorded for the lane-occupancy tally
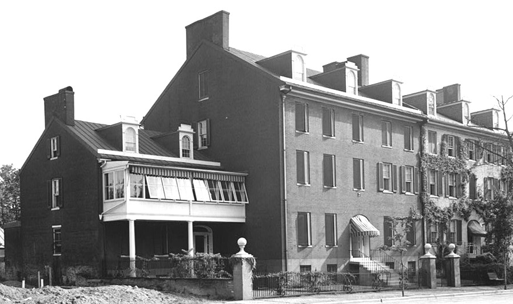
(396, 94)
(130, 143)
(466, 113)
(431, 104)
(351, 82)
(496, 122)
(298, 68)
(186, 147)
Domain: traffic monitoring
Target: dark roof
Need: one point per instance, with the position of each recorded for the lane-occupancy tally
(86, 132)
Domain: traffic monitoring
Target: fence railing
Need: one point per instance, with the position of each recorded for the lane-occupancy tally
(297, 283)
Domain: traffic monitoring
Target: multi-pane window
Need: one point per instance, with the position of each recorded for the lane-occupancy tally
(411, 234)
(408, 138)
(455, 234)
(137, 185)
(432, 233)
(396, 94)
(432, 142)
(450, 146)
(328, 164)
(472, 193)
(203, 85)
(57, 241)
(304, 231)
(331, 229)
(54, 147)
(491, 186)
(303, 167)
(358, 174)
(305, 268)
(387, 177)
(301, 117)
(433, 182)
(299, 68)
(471, 150)
(204, 133)
(114, 185)
(451, 184)
(358, 127)
(351, 83)
(408, 180)
(388, 231)
(130, 140)
(328, 122)
(386, 133)
(186, 146)
(55, 191)
(331, 268)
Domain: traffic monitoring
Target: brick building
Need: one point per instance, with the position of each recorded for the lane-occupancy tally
(327, 159)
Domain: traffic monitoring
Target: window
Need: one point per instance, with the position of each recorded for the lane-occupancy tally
(55, 150)
(388, 231)
(455, 235)
(431, 104)
(351, 83)
(491, 186)
(203, 85)
(432, 142)
(331, 229)
(432, 233)
(301, 117)
(451, 184)
(304, 232)
(408, 138)
(472, 186)
(471, 150)
(328, 122)
(186, 147)
(55, 193)
(358, 174)
(387, 177)
(305, 268)
(358, 127)
(411, 234)
(408, 180)
(331, 268)
(433, 182)
(329, 170)
(204, 134)
(137, 186)
(303, 167)
(299, 68)
(396, 94)
(466, 113)
(450, 146)
(57, 241)
(130, 145)
(386, 134)
(114, 185)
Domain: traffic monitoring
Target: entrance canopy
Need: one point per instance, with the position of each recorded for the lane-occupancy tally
(360, 225)
(476, 228)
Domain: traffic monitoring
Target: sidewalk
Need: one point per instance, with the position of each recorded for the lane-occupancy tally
(385, 296)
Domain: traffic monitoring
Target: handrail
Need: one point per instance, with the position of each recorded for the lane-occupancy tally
(383, 257)
(369, 263)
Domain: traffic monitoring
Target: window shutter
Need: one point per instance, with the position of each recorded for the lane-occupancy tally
(356, 127)
(458, 186)
(60, 201)
(356, 174)
(380, 177)
(459, 238)
(415, 180)
(446, 184)
(387, 229)
(486, 190)
(58, 146)
(330, 225)
(360, 117)
(363, 173)
(402, 178)
(208, 132)
(49, 193)
(195, 136)
(384, 135)
(300, 117)
(326, 122)
(439, 183)
(302, 237)
(328, 170)
(300, 167)
(444, 140)
(472, 186)
(48, 148)
(394, 178)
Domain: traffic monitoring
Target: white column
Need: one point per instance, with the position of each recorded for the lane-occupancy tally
(131, 247)
(190, 239)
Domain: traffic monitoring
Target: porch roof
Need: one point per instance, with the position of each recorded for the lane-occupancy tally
(476, 229)
(360, 225)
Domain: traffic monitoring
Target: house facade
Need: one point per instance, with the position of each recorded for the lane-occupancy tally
(311, 167)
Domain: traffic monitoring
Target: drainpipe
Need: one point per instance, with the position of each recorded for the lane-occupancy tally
(422, 183)
(284, 90)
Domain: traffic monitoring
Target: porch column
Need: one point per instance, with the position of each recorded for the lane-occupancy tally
(350, 246)
(131, 247)
(190, 239)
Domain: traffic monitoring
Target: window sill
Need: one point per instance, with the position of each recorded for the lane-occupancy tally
(434, 196)
(202, 148)
(328, 137)
(387, 192)
(55, 208)
(387, 147)
(54, 158)
(302, 132)
(357, 141)
(408, 150)
(203, 99)
(304, 246)
(358, 190)
(331, 246)
(329, 187)
(409, 193)
(57, 254)
(303, 185)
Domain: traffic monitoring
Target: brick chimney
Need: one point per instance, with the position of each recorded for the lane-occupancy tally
(214, 29)
(62, 106)
(362, 62)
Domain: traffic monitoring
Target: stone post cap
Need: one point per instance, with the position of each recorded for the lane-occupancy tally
(428, 254)
(242, 243)
(451, 253)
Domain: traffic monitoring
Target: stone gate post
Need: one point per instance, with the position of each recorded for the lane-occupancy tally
(242, 273)
(428, 277)
(452, 268)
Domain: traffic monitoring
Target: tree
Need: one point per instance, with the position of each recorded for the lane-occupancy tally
(9, 194)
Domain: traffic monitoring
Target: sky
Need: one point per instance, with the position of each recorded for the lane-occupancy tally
(119, 55)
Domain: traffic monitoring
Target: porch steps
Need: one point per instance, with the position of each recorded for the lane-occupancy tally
(373, 267)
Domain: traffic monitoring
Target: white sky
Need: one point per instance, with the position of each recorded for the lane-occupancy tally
(119, 55)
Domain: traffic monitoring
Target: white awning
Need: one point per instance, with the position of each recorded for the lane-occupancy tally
(360, 225)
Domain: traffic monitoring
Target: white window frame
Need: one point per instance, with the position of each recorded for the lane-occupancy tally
(130, 140)
(408, 182)
(303, 116)
(54, 147)
(351, 82)
(408, 133)
(471, 147)
(431, 104)
(432, 145)
(359, 127)
(185, 151)
(396, 94)
(55, 229)
(328, 114)
(387, 180)
(203, 85)
(203, 140)
(433, 180)
(306, 168)
(451, 185)
(308, 229)
(451, 146)
(332, 168)
(361, 173)
(335, 232)
(56, 192)
(298, 66)
(116, 185)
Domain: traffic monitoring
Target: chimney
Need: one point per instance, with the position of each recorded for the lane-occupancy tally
(213, 29)
(362, 62)
(448, 94)
(62, 106)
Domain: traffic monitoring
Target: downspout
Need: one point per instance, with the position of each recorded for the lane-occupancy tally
(422, 190)
(284, 90)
